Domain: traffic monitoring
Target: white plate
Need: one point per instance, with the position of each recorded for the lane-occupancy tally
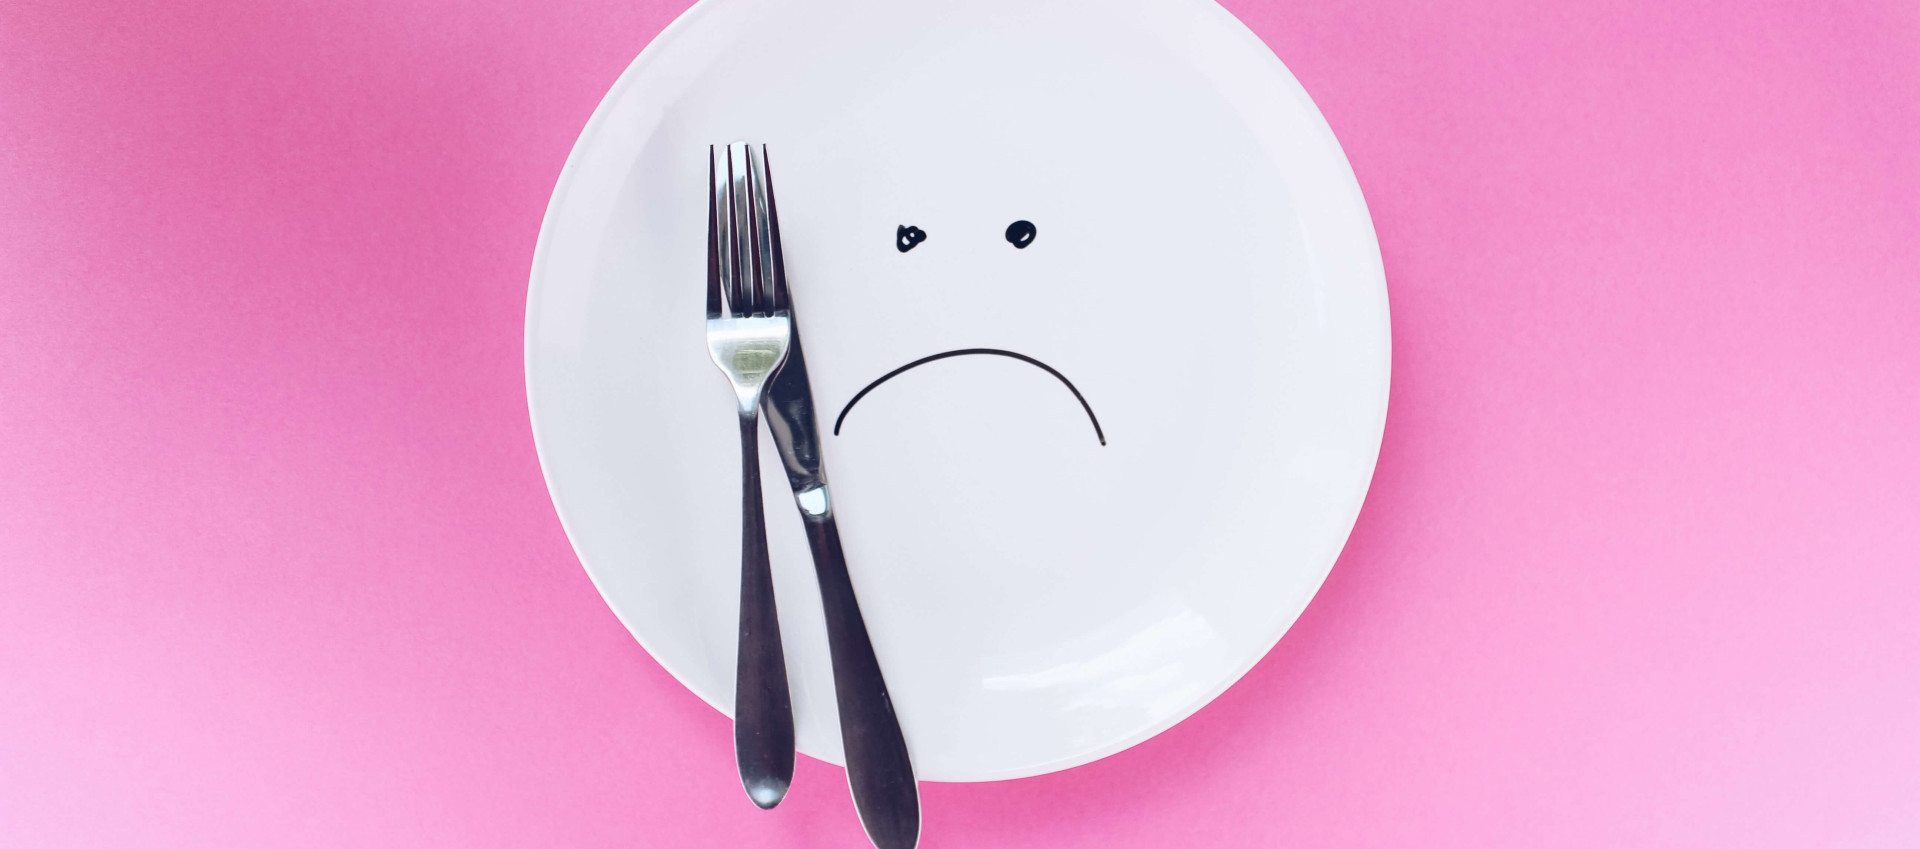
(1204, 271)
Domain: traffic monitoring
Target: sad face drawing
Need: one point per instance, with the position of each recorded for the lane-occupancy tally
(1097, 339)
(1019, 234)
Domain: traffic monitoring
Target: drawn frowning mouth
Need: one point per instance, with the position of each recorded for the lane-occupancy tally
(966, 352)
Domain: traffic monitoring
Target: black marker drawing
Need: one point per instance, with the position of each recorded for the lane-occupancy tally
(967, 352)
(907, 237)
(1020, 233)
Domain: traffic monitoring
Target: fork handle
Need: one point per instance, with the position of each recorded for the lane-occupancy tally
(762, 706)
(878, 769)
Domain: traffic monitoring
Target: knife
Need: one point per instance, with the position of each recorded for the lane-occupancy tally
(879, 771)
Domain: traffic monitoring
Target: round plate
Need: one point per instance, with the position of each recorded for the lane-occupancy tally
(1201, 268)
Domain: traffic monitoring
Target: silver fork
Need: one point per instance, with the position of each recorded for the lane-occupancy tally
(749, 328)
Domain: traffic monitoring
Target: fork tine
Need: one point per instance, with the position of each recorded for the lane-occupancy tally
(713, 242)
(782, 302)
(730, 244)
(750, 232)
(746, 300)
(763, 267)
(722, 206)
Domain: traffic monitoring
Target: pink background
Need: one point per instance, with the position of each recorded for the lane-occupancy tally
(1641, 565)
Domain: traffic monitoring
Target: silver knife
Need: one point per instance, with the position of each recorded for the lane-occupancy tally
(878, 769)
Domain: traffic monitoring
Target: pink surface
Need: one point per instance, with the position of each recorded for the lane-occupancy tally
(1641, 565)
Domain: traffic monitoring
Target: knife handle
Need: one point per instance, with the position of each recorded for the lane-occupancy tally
(762, 707)
(878, 769)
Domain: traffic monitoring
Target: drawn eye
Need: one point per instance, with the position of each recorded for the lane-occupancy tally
(908, 237)
(1019, 234)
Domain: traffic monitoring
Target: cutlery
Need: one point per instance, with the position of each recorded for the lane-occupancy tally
(879, 771)
(749, 330)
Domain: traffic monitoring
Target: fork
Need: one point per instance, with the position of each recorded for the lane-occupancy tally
(749, 329)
